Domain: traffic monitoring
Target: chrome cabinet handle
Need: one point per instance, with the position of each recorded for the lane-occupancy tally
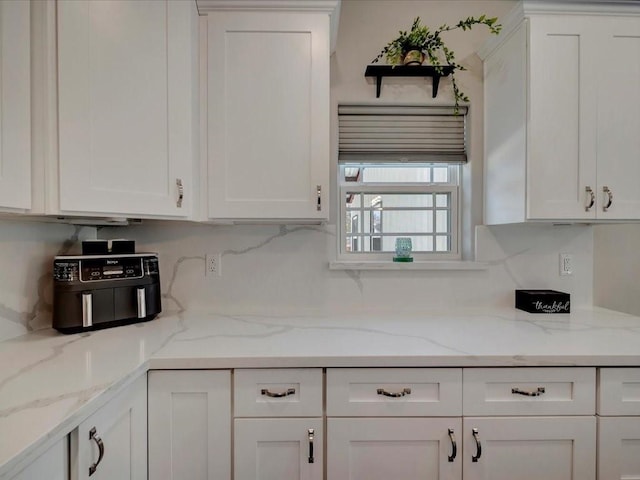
(93, 435)
(476, 437)
(311, 433)
(592, 199)
(87, 309)
(454, 447)
(141, 296)
(405, 391)
(290, 391)
(536, 393)
(319, 194)
(609, 194)
(180, 192)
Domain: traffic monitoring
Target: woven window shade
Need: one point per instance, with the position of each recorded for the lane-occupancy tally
(389, 133)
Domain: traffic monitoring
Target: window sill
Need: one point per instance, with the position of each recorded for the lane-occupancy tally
(425, 265)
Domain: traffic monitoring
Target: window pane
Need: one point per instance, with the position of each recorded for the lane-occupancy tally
(442, 244)
(387, 200)
(442, 200)
(352, 222)
(442, 221)
(396, 174)
(422, 244)
(440, 174)
(403, 221)
(353, 200)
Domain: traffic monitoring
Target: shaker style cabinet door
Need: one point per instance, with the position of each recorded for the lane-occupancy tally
(388, 448)
(268, 115)
(127, 86)
(112, 443)
(618, 448)
(529, 448)
(618, 120)
(15, 105)
(561, 156)
(190, 425)
(278, 449)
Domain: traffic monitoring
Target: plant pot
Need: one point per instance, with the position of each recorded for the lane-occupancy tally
(413, 57)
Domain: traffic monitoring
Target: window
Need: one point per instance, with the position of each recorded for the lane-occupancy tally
(399, 176)
(382, 202)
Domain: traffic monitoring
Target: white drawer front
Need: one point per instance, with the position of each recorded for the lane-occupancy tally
(619, 391)
(287, 392)
(529, 391)
(365, 392)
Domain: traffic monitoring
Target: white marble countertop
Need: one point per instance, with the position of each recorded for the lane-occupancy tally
(50, 382)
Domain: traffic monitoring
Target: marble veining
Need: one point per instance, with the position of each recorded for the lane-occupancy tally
(26, 253)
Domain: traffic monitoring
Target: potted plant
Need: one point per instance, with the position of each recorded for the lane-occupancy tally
(420, 43)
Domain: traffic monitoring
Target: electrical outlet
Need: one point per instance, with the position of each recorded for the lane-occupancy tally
(566, 264)
(213, 265)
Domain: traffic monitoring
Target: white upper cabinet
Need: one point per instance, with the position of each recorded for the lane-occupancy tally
(15, 105)
(268, 111)
(127, 113)
(562, 135)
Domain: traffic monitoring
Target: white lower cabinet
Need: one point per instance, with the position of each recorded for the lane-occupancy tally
(190, 425)
(384, 448)
(619, 424)
(278, 424)
(52, 465)
(112, 443)
(278, 449)
(529, 448)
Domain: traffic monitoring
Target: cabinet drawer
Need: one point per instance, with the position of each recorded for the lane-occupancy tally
(619, 391)
(529, 391)
(367, 392)
(290, 392)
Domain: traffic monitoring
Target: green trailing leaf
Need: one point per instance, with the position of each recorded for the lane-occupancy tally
(419, 37)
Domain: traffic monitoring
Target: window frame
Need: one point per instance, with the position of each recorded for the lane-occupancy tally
(452, 188)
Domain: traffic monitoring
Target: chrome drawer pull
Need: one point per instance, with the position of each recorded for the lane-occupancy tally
(405, 391)
(454, 447)
(266, 392)
(476, 437)
(93, 435)
(536, 393)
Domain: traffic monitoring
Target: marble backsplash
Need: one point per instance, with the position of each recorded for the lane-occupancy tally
(27, 249)
(285, 269)
(275, 270)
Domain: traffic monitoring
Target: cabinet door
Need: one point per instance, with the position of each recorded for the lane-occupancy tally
(384, 448)
(268, 115)
(278, 449)
(561, 147)
(553, 448)
(190, 425)
(618, 448)
(618, 119)
(125, 86)
(119, 431)
(15, 105)
(52, 465)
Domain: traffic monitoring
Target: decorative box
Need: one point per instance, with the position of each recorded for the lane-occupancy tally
(543, 301)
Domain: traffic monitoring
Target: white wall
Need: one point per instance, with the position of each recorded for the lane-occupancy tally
(26, 271)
